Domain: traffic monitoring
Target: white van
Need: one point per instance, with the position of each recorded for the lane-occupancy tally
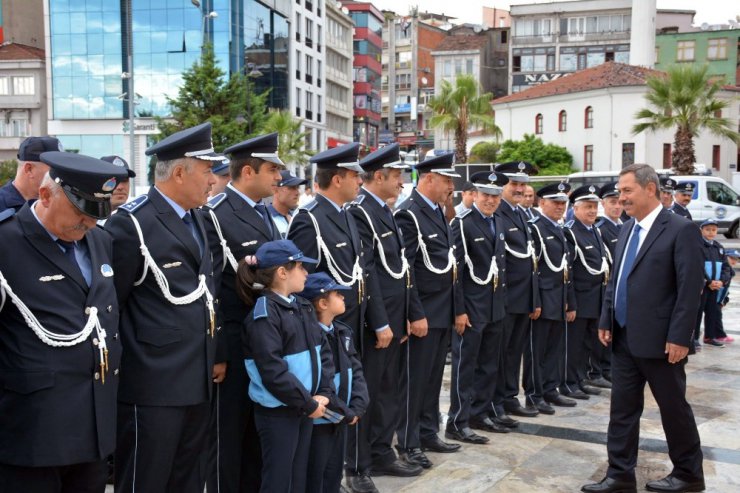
(713, 196)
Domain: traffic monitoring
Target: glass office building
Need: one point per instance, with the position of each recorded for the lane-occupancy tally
(87, 42)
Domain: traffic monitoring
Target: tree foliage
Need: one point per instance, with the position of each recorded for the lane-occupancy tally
(551, 159)
(292, 140)
(685, 99)
(460, 108)
(7, 170)
(484, 152)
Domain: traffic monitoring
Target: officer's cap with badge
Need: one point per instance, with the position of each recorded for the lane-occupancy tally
(444, 165)
(609, 190)
(734, 253)
(709, 222)
(686, 188)
(280, 252)
(585, 193)
(264, 147)
(319, 284)
(222, 168)
(32, 147)
(345, 156)
(517, 171)
(488, 182)
(667, 185)
(385, 157)
(555, 191)
(289, 180)
(87, 182)
(192, 142)
(119, 161)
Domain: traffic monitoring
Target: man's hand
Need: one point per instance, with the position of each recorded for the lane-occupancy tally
(675, 352)
(605, 336)
(715, 285)
(419, 328)
(570, 316)
(408, 333)
(320, 410)
(461, 322)
(536, 313)
(384, 337)
(321, 399)
(219, 372)
(354, 421)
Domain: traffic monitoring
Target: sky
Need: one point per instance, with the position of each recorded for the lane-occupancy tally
(710, 11)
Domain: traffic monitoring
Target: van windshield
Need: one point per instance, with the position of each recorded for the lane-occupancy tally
(721, 193)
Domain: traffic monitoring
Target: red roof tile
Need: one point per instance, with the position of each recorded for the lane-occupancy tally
(609, 74)
(462, 42)
(16, 51)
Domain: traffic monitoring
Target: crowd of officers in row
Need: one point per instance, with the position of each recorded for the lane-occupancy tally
(125, 334)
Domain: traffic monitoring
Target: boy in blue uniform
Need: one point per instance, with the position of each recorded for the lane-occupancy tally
(717, 275)
(288, 361)
(326, 456)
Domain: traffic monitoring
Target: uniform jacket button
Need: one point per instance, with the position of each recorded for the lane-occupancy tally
(97, 375)
(95, 342)
(115, 372)
(87, 310)
(110, 308)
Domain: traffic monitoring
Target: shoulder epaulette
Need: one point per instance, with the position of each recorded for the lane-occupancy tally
(464, 213)
(358, 200)
(216, 200)
(260, 308)
(7, 214)
(600, 222)
(135, 204)
(310, 206)
(534, 219)
(569, 224)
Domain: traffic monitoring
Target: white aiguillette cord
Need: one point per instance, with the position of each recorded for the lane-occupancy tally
(492, 271)
(425, 253)
(381, 250)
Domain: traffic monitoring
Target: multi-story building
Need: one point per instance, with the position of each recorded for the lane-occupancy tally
(310, 79)
(495, 17)
(367, 49)
(409, 77)
(89, 46)
(717, 49)
(339, 56)
(19, 23)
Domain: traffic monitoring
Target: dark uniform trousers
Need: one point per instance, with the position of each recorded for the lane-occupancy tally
(712, 313)
(325, 459)
(543, 363)
(88, 477)
(279, 432)
(668, 384)
(432, 297)
(581, 360)
(235, 460)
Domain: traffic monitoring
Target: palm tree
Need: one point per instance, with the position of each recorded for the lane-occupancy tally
(685, 99)
(292, 140)
(458, 109)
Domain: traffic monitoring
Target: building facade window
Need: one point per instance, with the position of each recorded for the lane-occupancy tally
(14, 127)
(628, 154)
(717, 49)
(23, 85)
(4, 86)
(588, 120)
(685, 51)
(715, 157)
(588, 158)
(538, 123)
(562, 121)
(297, 101)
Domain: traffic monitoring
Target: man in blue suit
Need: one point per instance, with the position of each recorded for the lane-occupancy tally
(647, 316)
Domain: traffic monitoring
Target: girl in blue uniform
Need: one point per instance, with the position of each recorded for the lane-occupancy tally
(288, 361)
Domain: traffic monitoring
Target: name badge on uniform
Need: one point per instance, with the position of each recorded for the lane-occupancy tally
(479, 239)
(249, 243)
(55, 277)
(432, 236)
(587, 247)
(615, 240)
(386, 234)
(106, 270)
(170, 265)
(549, 237)
(340, 245)
(513, 229)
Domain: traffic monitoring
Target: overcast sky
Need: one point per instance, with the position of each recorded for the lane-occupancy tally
(710, 11)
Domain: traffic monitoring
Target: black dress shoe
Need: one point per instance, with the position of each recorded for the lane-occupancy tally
(487, 424)
(673, 484)
(434, 444)
(600, 382)
(466, 435)
(518, 410)
(576, 394)
(362, 483)
(609, 485)
(559, 400)
(397, 468)
(415, 457)
(542, 407)
(587, 389)
(505, 420)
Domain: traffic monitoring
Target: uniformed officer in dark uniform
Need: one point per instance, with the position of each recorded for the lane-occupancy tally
(237, 223)
(29, 173)
(590, 274)
(682, 195)
(522, 293)
(545, 357)
(430, 250)
(667, 187)
(369, 448)
(165, 279)
(59, 344)
(285, 200)
(479, 312)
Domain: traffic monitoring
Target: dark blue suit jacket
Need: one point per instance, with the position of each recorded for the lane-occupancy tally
(555, 290)
(664, 286)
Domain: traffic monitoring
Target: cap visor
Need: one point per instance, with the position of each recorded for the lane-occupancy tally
(519, 178)
(450, 174)
(131, 173)
(293, 182)
(489, 190)
(92, 208)
(306, 260)
(335, 286)
(211, 156)
(351, 167)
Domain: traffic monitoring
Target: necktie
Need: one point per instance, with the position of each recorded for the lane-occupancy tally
(522, 220)
(620, 304)
(265, 216)
(69, 251)
(596, 236)
(388, 213)
(491, 225)
(188, 220)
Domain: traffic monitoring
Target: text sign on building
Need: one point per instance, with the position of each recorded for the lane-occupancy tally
(535, 79)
